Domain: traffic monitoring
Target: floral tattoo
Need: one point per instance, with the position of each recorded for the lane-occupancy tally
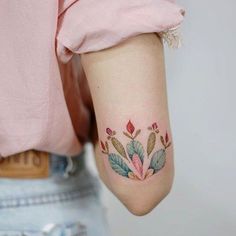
(134, 162)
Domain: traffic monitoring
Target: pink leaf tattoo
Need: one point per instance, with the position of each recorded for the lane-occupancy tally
(130, 127)
(137, 163)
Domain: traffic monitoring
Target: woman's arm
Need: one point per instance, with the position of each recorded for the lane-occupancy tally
(134, 151)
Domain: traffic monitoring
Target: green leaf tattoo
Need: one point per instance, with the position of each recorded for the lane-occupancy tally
(119, 147)
(151, 143)
(133, 147)
(158, 160)
(118, 165)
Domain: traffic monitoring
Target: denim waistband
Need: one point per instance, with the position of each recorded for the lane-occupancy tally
(72, 229)
(54, 205)
(66, 165)
(69, 179)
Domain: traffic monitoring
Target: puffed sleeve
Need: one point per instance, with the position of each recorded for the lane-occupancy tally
(92, 25)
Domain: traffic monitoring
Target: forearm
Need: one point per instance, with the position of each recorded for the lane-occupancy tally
(127, 84)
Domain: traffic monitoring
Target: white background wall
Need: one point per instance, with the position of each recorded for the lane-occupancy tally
(202, 93)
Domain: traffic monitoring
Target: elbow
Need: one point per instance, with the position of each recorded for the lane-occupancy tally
(141, 198)
(144, 206)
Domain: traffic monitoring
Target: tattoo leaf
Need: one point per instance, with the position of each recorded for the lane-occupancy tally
(168, 144)
(162, 141)
(106, 143)
(118, 165)
(126, 134)
(135, 147)
(151, 142)
(158, 160)
(137, 163)
(119, 147)
(149, 173)
(137, 133)
(131, 175)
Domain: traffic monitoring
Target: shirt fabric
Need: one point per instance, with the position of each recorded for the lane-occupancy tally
(44, 96)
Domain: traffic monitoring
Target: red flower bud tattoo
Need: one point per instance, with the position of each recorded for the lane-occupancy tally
(154, 125)
(167, 138)
(109, 131)
(103, 145)
(130, 127)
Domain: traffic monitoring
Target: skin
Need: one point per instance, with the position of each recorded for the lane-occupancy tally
(127, 82)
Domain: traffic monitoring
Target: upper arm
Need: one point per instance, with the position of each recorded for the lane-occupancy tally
(127, 84)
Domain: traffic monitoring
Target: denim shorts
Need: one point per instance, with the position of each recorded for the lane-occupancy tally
(67, 203)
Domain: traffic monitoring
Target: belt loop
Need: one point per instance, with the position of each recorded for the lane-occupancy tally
(72, 229)
(50, 228)
(69, 168)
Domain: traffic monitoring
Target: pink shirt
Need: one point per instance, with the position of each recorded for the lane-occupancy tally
(44, 97)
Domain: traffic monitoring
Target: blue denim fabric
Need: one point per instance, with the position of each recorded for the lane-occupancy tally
(65, 204)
